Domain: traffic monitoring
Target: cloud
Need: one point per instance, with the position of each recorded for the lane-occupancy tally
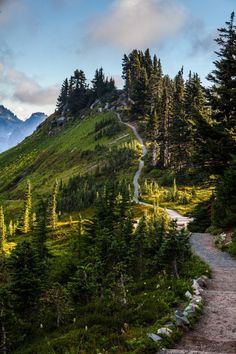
(6, 53)
(27, 90)
(137, 23)
(200, 39)
(11, 10)
(203, 44)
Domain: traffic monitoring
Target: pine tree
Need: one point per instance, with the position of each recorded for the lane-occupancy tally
(27, 218)
(148, 63)
(63, 97)
(78, 96)
(99, 83)
(175, 249)
(40, 232)
(53, 207)
(215, 137)
(26, 279)
(2, 232)
(223, 93)
(11, 228)
(140, 93)
(165, 122)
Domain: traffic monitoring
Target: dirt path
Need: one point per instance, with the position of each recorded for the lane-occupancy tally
(216, 330)
(182, 221)
(141, 161)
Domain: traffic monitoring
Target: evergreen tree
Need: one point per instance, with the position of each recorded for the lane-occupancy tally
(11, 228)
(174, 249)
(165, 122)
(63, 97)
(78, 92)
(40, 232)
(27, 209)
(2, 232)
(26, 278)
(140, 93)
(224, 206)
(215, 137)
(223, 93)
(53, 207)
(99, 83)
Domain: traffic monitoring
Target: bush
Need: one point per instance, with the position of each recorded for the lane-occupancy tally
(201, 216)
(224, 207)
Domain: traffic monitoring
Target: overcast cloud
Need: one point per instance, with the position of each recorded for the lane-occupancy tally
(25, 89)
(132, 24)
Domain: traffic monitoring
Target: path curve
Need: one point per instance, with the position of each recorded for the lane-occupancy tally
(141, 161)
(182, 221)
(216, 330)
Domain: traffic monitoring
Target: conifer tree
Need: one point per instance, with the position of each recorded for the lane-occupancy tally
(140, 94)
(165, 123)
(63, 97)
(26, 279)
(215, 137)
(53, 207)
(2, 231)
(27, 218)
(11, 228)
(223, 93)
(40, 232)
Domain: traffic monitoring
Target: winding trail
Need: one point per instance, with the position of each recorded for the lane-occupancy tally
(216, 330)
(182, 221)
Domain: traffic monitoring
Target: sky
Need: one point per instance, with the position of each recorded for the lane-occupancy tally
(43, 42)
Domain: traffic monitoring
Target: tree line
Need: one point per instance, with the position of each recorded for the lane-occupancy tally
(76, 94)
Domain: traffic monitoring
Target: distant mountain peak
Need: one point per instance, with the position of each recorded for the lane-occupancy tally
(13, 130)
(7, 115)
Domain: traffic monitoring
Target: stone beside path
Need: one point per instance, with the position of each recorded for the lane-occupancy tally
(216, 330)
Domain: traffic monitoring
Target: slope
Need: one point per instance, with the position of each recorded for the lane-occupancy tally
(59, 150)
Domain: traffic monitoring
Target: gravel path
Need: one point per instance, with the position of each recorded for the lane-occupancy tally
(216, 330)
(141, 162)
(182, 221)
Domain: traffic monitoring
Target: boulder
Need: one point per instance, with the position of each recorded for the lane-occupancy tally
(181, 320)
(166, 331)
(188, 295)
(154, 337)
(201, 282)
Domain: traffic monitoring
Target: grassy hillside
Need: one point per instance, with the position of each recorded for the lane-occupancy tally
(75, 148)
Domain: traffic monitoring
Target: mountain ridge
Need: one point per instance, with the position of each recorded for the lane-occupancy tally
(13, 130)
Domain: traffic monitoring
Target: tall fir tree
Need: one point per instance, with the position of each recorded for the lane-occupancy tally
(52, 207)
(27, 217)
(222, 94)
(2, 232)
(63, 97)
(215, 138)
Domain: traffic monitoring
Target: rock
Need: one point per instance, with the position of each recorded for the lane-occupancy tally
(188, 295)
(189, 310)
(180, 319)
(166, 331)
(154, 337)
(197, 290)
(170, 325)
(197, 300)
(201, 282)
